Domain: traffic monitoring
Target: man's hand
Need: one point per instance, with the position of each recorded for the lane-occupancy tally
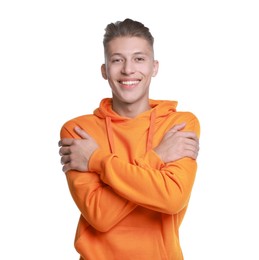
(75, 153)
(177, 144)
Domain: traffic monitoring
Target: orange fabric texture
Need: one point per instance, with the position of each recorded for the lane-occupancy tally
(131, 203)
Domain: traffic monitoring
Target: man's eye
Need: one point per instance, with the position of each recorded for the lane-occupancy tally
(140, 59)
(116, 60)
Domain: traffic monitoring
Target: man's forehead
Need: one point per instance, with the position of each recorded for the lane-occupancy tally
(129, 45)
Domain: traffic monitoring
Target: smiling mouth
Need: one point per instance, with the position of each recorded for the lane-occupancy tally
(130, 82)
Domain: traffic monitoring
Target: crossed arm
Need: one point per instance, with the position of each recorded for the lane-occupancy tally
(176, 144)
(105, 197)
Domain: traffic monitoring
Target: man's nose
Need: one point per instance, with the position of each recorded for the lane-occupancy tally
(128, 68)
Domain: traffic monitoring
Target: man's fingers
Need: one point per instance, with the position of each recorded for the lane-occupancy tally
(65, 142)
(81, 133)
(69, 141)
(192, 154)
(64, 150)
(178, 127)
(66, 168)
(190, 135)
(65, 159)
(192, 144)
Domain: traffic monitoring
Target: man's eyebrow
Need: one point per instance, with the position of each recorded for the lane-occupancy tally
(140, 52)
(135, 53)
(116, 53)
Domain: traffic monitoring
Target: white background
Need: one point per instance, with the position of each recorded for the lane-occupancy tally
(50, 58)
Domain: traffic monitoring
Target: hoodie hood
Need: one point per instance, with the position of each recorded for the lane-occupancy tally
(159, 108)
(162, 107)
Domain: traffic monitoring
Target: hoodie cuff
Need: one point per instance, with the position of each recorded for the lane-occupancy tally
(150, 159)
(96, 161)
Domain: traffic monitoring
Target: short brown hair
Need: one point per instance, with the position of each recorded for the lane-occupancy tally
(128, 27)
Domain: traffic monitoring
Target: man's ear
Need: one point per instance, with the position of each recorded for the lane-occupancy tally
(103, 70)
(155, 68)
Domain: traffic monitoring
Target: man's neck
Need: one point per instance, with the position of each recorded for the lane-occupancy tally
(131, 110)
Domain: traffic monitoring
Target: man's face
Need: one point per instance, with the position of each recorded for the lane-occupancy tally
(129, 66)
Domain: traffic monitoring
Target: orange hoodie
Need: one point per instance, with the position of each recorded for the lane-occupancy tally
(131, 203)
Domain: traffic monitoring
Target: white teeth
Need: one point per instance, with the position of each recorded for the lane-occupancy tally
(129, 82)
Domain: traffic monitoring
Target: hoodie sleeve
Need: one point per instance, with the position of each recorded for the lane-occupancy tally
(98, 203)
(149, 182)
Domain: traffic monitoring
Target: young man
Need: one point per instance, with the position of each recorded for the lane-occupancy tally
(130, 165)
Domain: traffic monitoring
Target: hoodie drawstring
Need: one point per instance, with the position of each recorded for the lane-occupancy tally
(151, 130)
(110, 134)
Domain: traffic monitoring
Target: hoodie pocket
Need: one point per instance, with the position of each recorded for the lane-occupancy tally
(131, 243)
